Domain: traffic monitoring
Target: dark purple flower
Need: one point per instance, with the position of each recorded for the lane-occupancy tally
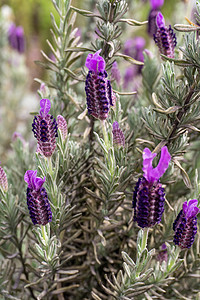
(97, 87)
(149, 196)
(62, 125)
(45, 128)
(164, 37)
(185, 225)
(3, 180)
(37, 199)
(118, 136)
(162, 255)
(155, 8)
(16, 38)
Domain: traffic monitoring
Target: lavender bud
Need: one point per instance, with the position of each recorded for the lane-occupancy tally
(118, 136)
(149, 196)
(185, 225)
(16, 38)
(62, 125)
(37, 199)
(97, 87)
(45, 128)
(3, 180)
(165, 38)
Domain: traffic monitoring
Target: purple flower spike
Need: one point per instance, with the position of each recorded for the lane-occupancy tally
(16, 38)
(97, 87)
(3, 180)
(149, 196)
(118, 136)
(185, 225)
(37, 199)
(155, 4)
(45, 129)
(164, 37)
(62, 125)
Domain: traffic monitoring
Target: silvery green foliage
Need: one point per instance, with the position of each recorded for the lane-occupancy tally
(92, 249)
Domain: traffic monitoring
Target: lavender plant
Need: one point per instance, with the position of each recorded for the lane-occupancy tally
(78, 219)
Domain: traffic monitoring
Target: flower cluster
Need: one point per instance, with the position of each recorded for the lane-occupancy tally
(164, 37)
(185, 225)
(45, 129)
(37, 199)
(97, 87)
(149, 196)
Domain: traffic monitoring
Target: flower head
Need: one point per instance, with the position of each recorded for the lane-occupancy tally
(16, 38)
(3, 180)
(97, 87)
(185, 225)
(149, 196)
(44, 128)
(118, 136)
(155, 8)
(37, 199)
(164, 37)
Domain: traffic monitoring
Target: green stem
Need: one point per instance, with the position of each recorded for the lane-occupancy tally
(144, 238)
(105, 135)
(50, 165)
(44, 234)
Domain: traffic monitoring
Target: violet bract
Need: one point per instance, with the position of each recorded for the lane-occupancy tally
(37, 199)
(155, 8)
(185, 225)
(44, 128)
(97, 87)
(149, 196)
(164, 37)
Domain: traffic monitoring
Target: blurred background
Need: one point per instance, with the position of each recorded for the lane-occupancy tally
(30, 21)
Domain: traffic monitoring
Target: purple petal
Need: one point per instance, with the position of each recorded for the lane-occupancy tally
(156, 3)
(190, 208)
(185, 207)
(147, 163)
(163, 164)
(154, 174)
(39, 183)
(95, 63)
(160, 21)
(45, 105)
(30, 177)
